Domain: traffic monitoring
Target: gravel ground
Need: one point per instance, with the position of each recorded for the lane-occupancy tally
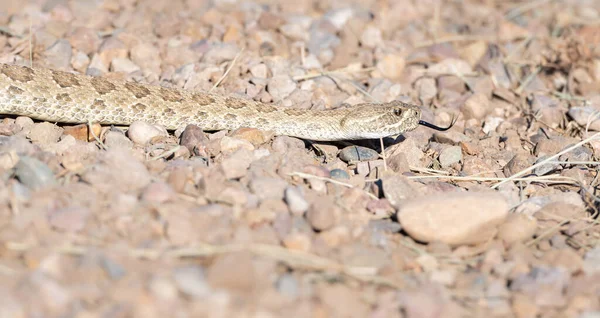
(137, 221)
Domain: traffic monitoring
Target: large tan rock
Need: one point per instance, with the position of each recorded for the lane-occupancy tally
(457, 218)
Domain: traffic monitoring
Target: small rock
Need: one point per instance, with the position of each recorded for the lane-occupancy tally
(259, 70)
(85, 40)
(371, 37)
(123, 65)
(545, 168)
(457, 218)
(280, 86)
(268, 187)
(147, 56)
(8, 160)
(409, 149)
(544, 284)
(230, 145)
(553, 145)
(380, 208)
(519, 162)
(287, 285)
(236, 165)
(450, 156)
(71, 219)
(233, 271)
(450, 137)
(158, 192)
(517, 228)
(322, 214)
(339, 174)
(391, 66)
(427, 89)
(591, 261)
(578, 154)
(295, 199)
(220, 52)
(116, 139)
(34, 173)
(254, 136)
(297, 242)
(59, 54)
(397, 189)
(565, 258)
(45, 133)
(190, 280)
(353, 154)
(141, 132)
(585, 115)
(81, 132)
(476, 106)
(195, 140)
(398, 163)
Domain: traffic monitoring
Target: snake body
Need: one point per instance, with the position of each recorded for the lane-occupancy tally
(65, 97)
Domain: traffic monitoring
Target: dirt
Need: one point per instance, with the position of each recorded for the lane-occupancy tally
(496, 217)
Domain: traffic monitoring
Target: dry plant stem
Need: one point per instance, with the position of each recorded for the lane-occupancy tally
(551, 158)
(310, 176)
(228, 70)
(541, 179)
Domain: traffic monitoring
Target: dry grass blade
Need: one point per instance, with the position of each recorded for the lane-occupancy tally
(311, 176)
(543, 162)
(228, 70)
(295, 259)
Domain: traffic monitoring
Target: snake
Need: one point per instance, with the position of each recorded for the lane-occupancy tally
(72, 98)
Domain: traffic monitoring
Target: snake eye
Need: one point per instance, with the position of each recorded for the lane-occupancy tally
(397, 112)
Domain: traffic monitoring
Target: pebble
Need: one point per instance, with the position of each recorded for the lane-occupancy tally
(398, 189)
(254, 136)
(322, 214)
(268, 187)
(591, 261)
(280, 86)
(70, 219)
(455, 218)
(33, 173)
(409, 149)
(585, 114)
(230, 145)
(234, 271)
(141, 132)
(450, 155)
(391, 66)
(544, 284)
(117, 139)
(123, 65)
(517, 228)
(295, 199)
(158, 192)
(353, 154)
(191, 281)
(195, 140)
(545, 168)
(450, 137)
(45, 133)
(236, 165)
(518, 162)
(59, 55)
(371, 37)
(297, 242)
(287, 285)
(476, 106)
(339, 174)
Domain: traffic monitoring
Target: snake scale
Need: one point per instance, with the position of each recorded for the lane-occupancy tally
(65, 97)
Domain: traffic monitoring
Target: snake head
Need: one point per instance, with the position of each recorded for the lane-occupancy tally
(367, 121)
